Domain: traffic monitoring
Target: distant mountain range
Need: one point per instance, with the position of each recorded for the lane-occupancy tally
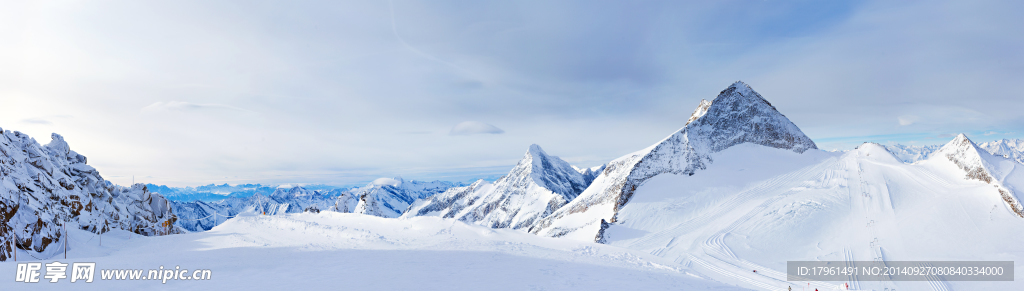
(1006, 148)
(383, 197)
(213, 192)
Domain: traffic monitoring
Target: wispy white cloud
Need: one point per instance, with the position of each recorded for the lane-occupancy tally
(907, 120)
(38, 121)
(186, 106)
(474, 127)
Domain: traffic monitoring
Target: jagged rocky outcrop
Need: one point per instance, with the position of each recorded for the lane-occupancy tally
(738, 115)
(980, 165)
(44, 188)
(537, 186)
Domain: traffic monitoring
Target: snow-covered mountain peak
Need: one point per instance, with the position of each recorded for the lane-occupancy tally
(960, 145)
(980, 165)
(551, 173)
(538, 185)
(961, 140)
(968, 156)
(738, 115)
(742, 88)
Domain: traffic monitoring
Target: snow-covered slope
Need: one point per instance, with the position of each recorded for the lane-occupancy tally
(1007, 148)
(537, 186)
(982, 166)
(327, 251)
(755, 208)
(738, 115)
(42, 188)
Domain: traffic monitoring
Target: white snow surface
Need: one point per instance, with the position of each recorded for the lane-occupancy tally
(757, 207)
(330, 250)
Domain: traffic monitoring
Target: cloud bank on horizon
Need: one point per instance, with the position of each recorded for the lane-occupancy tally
(341, 92)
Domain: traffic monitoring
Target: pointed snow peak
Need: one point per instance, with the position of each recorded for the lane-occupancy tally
(739, 115)
(549, 172)
(743, 91)
(535, 150)
(960, 143)
(961, 138)
(966, 155)
(743, 88)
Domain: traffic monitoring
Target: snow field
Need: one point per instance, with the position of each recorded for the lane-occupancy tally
(361, 252)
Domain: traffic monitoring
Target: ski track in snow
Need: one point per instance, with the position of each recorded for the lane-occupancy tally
(718, 257)
(737, 200)
(715, 247)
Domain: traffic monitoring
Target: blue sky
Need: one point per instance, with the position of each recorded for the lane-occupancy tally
(341, 92)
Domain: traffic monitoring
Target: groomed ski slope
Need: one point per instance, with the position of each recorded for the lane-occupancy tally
(755, 208)
(344, 251)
